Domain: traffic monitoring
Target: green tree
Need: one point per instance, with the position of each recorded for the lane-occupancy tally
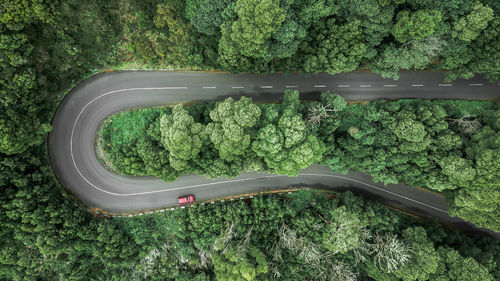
(487, 53)
(285, 145)
(19, 131)
(424, 259)
(257, 20)
(477, 202)
(343, 232)
(459, 170)
(234, 266)
(411, 132)
(231, 126)
(415, 54)
(334, 48)
(376, 20)
(415, 26)
(181, 136)
(206, 15)
(454, 266)
(467, 28)
(14, 14)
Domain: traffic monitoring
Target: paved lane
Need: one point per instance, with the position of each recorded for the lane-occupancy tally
(71, 143)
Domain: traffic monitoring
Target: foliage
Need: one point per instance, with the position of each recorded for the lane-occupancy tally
(284, 144)
(416, 25)
(467, 28)
(334, 48)
(248, 266)
(206, 15)
(415, 54)
(181, 136)
(46, 46)
(231, 125)
(478, 200)
(313, 36)
(425, 258)
(436, 144)
(454, 266)
(280, 237)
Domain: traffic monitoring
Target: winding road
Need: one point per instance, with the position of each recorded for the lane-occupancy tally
(73, 159)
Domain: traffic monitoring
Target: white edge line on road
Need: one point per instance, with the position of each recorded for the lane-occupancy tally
(209, 87)
(237, 87)
(417, 85)
(445, 85)
(212, 183)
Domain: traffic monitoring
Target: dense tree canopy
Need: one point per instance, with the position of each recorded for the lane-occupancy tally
(181, 136)
(317, 36)
(446, 146)
(304, 236)
(48, 46)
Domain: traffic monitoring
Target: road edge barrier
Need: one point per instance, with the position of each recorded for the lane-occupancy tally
(106, 214)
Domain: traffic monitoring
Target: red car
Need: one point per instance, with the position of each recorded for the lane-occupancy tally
(186, 199)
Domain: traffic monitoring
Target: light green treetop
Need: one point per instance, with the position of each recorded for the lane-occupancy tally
(257, 20)
(424, 260)
(417, 25)
(231, 124)
(285, 145)
(454, 266)
(181, 136)
(467, 28)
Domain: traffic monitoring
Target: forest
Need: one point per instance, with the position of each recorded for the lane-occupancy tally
(459, 37)
(448, 146)
(48, 46)
(307, 235)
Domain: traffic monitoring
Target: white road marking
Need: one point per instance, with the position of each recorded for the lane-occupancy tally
(292, 86)
(445, 85)
(390, 85)
(476, 84)
(343, 86)
(319, 86)
(210, 184)
(365, 86)
(166, 88)
(209, 87)
(238, 87)
(417, 85)
(266, 87)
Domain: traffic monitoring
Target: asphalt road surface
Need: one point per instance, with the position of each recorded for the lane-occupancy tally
(71, 143)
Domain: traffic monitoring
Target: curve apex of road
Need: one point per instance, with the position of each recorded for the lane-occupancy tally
(73, 159)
